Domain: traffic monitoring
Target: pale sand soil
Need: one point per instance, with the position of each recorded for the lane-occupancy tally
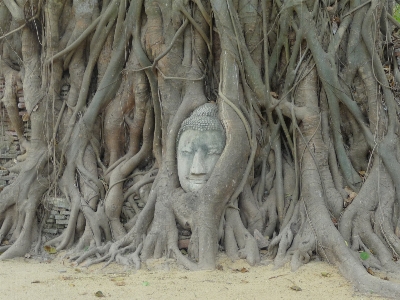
(163, 279)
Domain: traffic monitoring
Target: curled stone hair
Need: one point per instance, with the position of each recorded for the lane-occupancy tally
(203, 118)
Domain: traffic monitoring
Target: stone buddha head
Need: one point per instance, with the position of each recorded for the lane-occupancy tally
(200, 142)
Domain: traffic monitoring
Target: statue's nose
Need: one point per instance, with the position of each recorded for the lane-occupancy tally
(198, 164)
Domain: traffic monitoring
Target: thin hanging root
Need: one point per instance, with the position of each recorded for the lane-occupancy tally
(177, 34)
(134, 189)
(17, 10)
(94, 183)
(87, 176)
(114, 165)
(203, 11)
(84, 90)
(248, 57)
(279, 192)
(145, 62)
(94, 144)
(78, 41)
(197, 26)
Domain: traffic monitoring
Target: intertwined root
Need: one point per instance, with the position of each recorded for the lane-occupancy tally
(308, 103)
(19, 202)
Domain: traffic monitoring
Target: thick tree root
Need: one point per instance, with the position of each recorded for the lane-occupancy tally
(19, 201)
(239, 243)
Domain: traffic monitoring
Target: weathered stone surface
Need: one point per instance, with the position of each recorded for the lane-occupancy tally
(8, 177)
(185, 232)
(62, 222)
(50, 230)
(183, 244)
(4, 172)
(59, 214)
(59, 202)
(7, 156)
(201, 140)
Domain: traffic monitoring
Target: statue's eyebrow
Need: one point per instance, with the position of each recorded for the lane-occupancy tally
(215, 148)
(216, 145)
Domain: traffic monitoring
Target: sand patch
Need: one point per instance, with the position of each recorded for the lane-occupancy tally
(164, 279)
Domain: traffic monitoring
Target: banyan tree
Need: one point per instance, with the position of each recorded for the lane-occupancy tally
(237, 125)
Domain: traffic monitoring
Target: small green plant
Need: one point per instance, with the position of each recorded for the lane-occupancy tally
(364, 255)
(396, 12)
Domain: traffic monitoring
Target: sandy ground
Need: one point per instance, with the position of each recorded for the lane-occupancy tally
(56, 278)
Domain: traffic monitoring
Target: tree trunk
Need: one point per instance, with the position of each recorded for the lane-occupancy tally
(284, 116)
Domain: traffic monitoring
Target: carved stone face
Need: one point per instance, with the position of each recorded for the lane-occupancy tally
(198, 152)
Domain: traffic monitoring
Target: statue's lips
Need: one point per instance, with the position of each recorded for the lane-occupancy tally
(197, 180)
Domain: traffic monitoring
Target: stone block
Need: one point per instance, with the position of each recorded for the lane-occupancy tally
(10, 176)
(62, 222)
(7, 156)
(59, 202)
(52, 231)
(183, 244)
(65, 212)
(50, 221)
(4, 172)
(59, 217)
